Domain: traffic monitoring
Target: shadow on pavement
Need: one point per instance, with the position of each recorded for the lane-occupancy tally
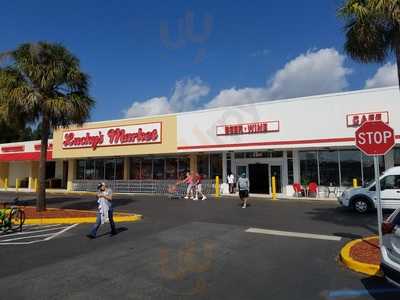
(346, 217)
(379, 289)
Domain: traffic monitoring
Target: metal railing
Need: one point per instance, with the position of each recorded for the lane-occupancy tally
(141, 186)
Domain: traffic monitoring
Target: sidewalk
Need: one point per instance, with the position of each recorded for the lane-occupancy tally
(252, 195)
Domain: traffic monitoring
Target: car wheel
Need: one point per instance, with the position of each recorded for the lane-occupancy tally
(361, 205)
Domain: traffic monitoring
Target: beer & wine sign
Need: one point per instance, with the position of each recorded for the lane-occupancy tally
(149, 133)
(249, 128)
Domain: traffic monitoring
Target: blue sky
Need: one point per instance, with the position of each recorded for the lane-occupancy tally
(236, 52)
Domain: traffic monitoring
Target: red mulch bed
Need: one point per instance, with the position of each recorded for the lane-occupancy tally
(30, 213)
(366, 251)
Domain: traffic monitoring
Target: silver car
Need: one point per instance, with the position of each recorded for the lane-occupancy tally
(390, 250)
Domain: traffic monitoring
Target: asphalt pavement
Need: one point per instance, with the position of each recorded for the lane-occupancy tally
(186, 249)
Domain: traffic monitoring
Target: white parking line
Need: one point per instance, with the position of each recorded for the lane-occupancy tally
(46, 235)
(31, 231)
(60, 232)
(295, 234)
(27, 237)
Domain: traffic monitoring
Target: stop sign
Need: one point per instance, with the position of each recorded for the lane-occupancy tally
(375, 138)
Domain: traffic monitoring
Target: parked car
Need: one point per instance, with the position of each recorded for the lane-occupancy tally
(390, 250)
(364, 199)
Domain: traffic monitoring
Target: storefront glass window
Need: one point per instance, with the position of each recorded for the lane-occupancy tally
(328, 168)
(308, 167)
(202, 165)
(216, 165)
(276, 154)
(80, 169)
(240, 155)
(171, 168)
(290, 167)
(134, 168)
(184, 166)
(368, 168)
(350, 166)
(109, 169)
(99, 169)
(147, 168)
(396, 153)
(158, 168)
(89, 170)
(119, 169)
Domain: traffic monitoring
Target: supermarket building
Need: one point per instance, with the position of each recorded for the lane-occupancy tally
(303, 140)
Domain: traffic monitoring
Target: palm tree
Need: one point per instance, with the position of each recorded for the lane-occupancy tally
(372, 30)
(43, 83)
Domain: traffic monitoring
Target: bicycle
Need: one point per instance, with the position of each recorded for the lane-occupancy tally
(12, 218)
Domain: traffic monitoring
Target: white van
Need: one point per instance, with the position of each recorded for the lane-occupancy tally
(364, 199)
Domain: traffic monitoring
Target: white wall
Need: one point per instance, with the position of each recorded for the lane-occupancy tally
(302, 119)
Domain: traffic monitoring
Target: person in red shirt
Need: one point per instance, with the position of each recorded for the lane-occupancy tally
(198, 187)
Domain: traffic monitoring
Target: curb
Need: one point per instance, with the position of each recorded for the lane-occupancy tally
(46, 221)
(364, 268)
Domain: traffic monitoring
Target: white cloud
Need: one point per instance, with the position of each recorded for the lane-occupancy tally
(385, 76)
(152, 106)
(185, 96)
(312, 73)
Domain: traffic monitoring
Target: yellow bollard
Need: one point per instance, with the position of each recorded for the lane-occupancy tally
(355, 182)
(217, 192)
(30, 181)
(16, 184)
(6, 184)
(36, 184)
(273, 185)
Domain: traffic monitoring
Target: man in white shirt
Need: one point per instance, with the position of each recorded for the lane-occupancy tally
(231, 182)
(105, 210)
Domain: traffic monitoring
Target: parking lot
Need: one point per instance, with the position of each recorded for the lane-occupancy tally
(285, 249)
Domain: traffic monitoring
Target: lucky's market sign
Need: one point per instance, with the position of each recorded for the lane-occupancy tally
(149, 133)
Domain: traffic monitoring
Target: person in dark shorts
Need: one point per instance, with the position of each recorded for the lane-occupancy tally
(243, 185)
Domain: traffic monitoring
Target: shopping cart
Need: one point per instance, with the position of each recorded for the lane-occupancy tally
(176, 191)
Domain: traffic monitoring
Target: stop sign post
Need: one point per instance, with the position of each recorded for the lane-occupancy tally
(375, 138)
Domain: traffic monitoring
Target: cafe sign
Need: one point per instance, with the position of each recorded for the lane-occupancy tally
(248, 128)
(357, 119)
(138, 134)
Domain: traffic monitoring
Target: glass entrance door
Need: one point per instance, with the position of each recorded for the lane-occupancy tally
(240, 169)
(277, 172)
(259, 179)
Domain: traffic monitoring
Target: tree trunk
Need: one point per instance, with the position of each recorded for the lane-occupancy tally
(41, 192)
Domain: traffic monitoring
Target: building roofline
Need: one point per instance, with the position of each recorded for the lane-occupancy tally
(261, 102)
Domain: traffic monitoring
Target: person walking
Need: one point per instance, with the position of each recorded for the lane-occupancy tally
(243, 185)
(105, 210)
(231, 182)
(189, 181)
(198, 187)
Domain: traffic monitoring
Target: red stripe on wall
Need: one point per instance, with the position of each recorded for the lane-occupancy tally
(39, 146)
(272, 143)
(12, 148)
(24, 156)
